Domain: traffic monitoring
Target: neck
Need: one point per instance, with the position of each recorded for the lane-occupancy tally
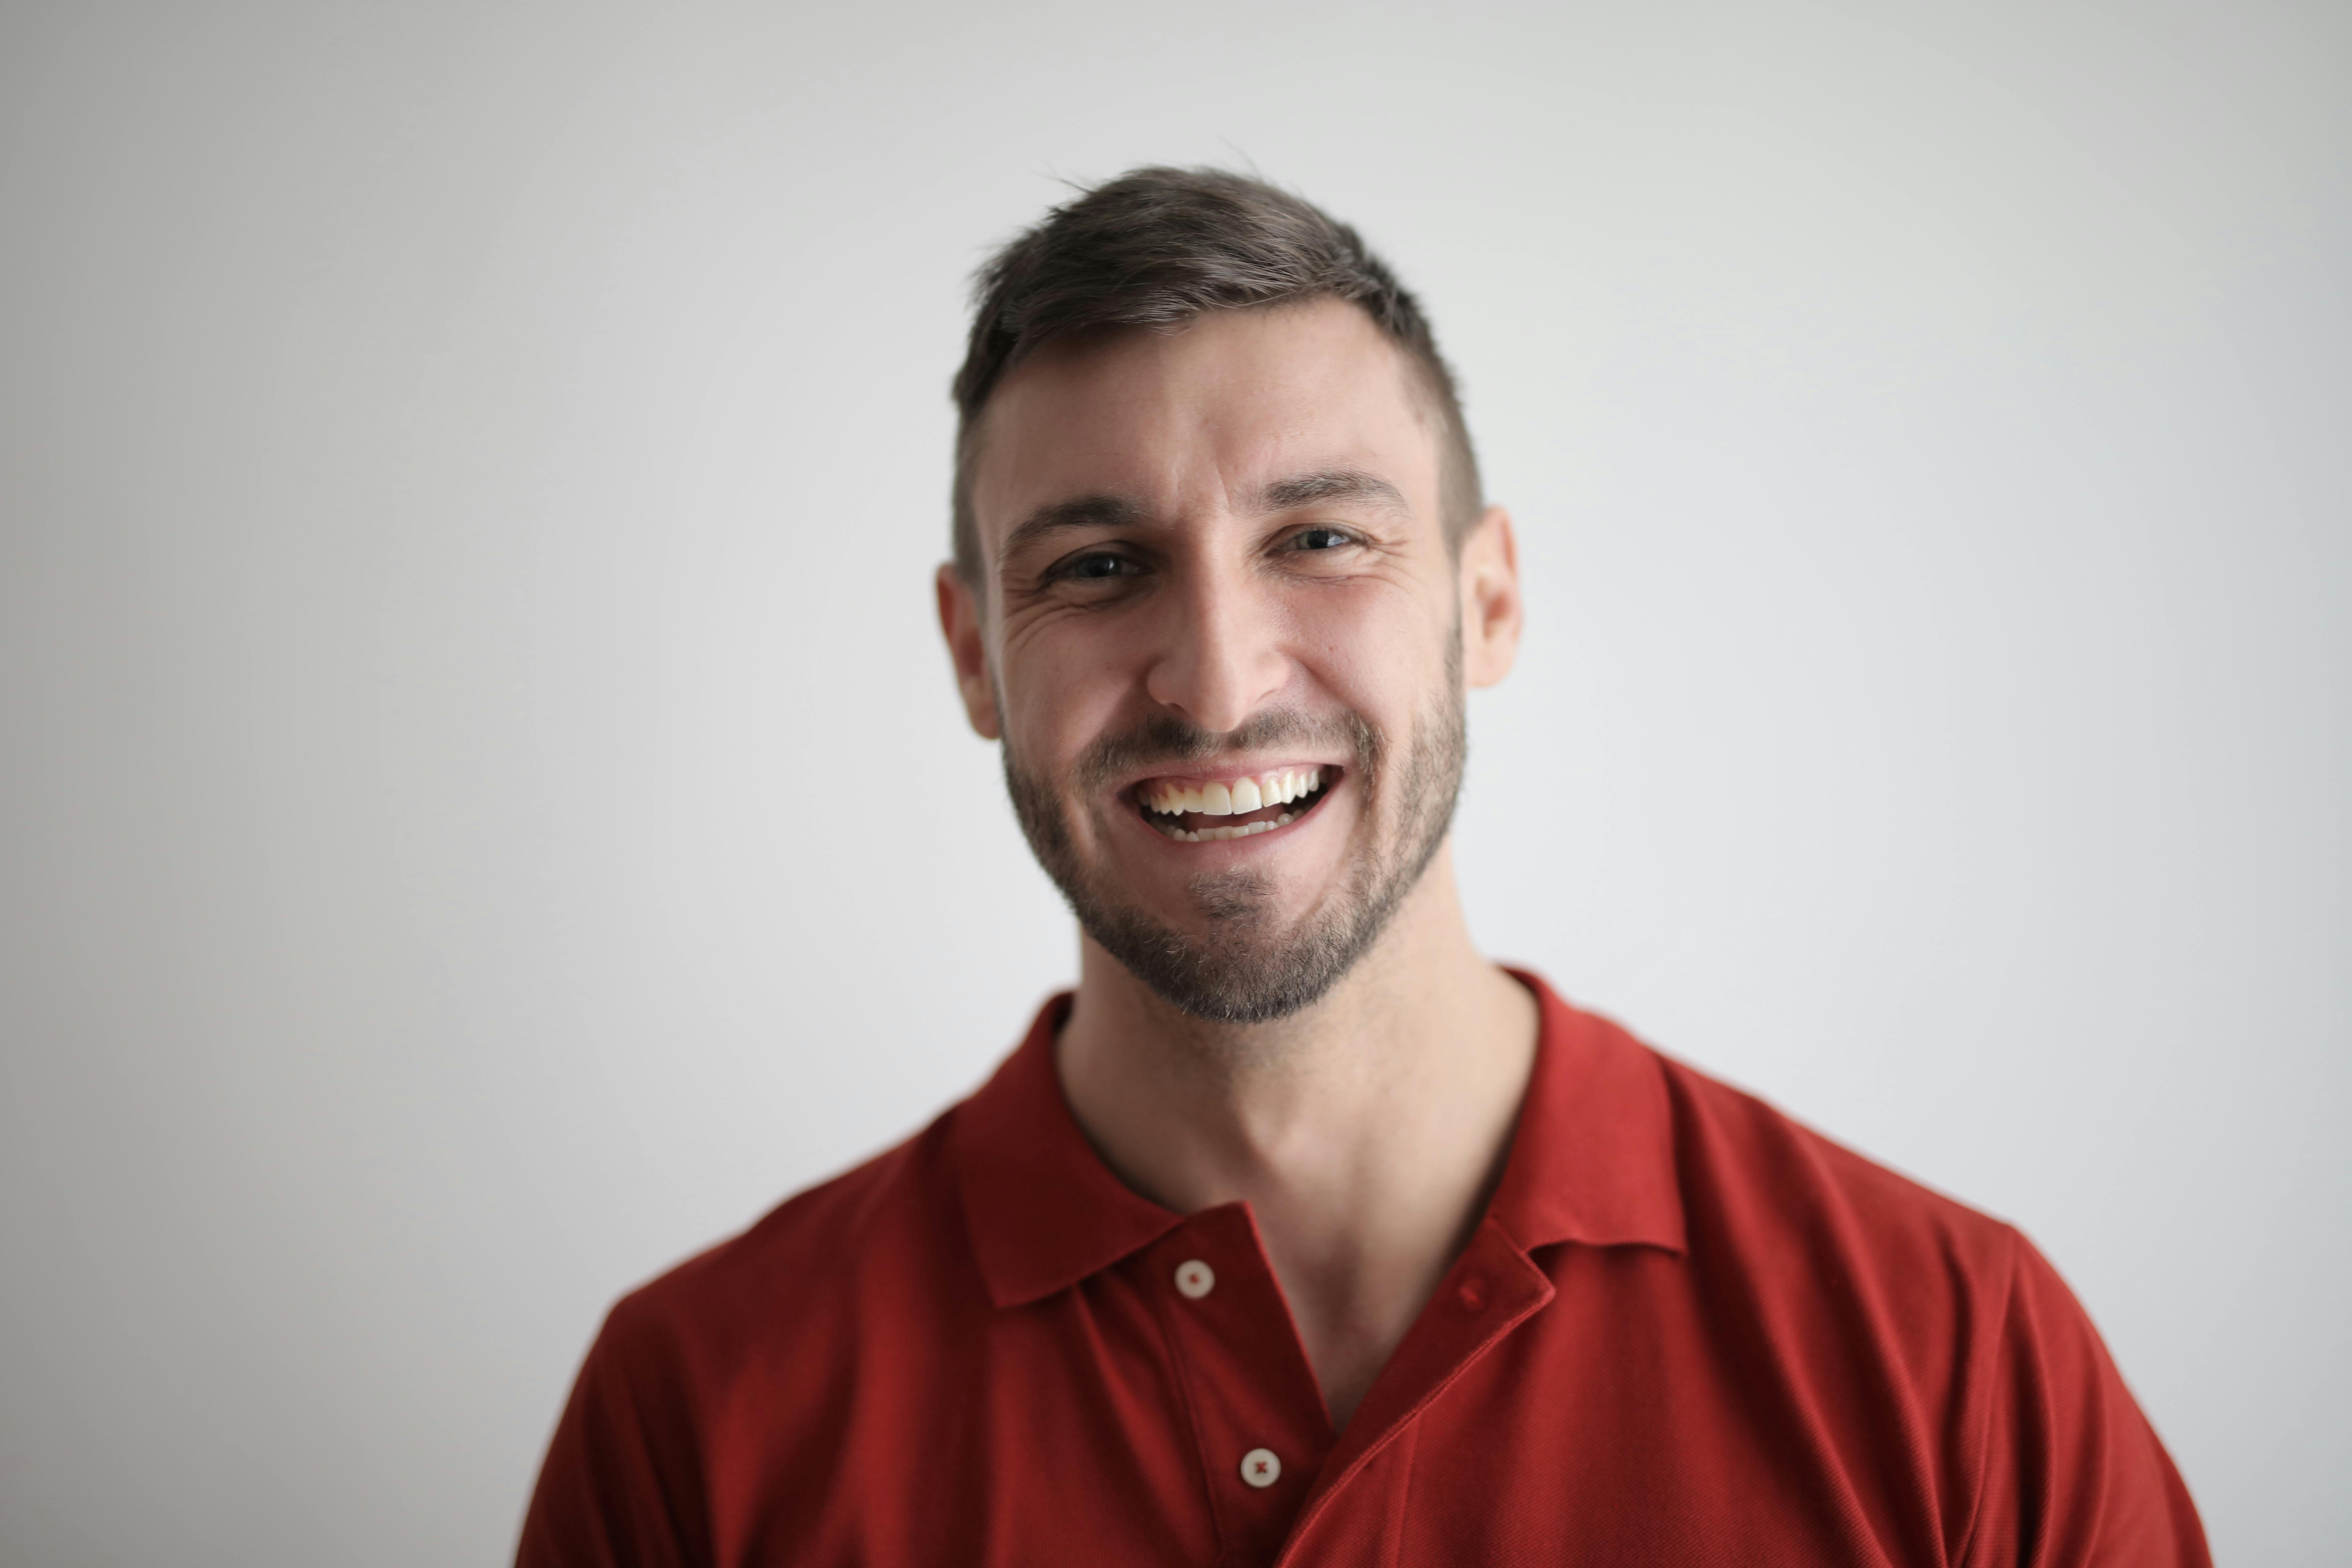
(1365, 1132)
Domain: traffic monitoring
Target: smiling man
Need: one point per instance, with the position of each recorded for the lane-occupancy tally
(1300, 1232)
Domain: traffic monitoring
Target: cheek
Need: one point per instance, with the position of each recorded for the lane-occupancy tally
(1058, 695)
(1377, 652)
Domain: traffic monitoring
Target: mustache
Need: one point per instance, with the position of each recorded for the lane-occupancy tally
(1167, 740)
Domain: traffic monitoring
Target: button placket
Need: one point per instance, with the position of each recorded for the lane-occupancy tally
(1257, 1412)
(1494, 1287)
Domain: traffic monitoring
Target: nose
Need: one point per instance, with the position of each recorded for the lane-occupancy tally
(1220, 656)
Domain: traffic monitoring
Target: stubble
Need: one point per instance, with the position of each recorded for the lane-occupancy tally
(1242, 966)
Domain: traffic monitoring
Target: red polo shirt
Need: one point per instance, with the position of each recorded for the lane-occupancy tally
(1688, 1331)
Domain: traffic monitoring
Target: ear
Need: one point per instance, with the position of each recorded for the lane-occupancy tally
(1492, 610)
(968, 650)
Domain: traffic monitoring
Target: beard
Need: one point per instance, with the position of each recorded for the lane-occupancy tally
(1245, 966)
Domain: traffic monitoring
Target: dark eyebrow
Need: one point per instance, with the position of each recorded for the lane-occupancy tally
(1080, 512)
(1333, 484)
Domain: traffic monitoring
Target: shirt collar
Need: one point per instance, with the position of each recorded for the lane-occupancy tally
(1592, 1161)
(1593, 1157)
(1043, 1210)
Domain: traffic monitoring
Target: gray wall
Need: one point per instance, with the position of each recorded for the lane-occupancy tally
(483, 813)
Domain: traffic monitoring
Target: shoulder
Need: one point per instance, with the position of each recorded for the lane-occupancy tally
(1886, 1316)
(1850, 1286)
(737, 1351)
(816, 1266)
(1755, 1179)
(743, 1361)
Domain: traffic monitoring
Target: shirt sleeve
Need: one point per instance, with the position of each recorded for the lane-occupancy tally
(2073, 1474)
(622, 1485)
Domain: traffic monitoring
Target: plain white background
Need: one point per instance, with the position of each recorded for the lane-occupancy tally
(483, 812)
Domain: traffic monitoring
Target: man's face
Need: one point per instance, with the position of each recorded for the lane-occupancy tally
(1222, 642)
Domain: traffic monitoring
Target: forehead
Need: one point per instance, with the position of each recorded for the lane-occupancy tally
(1187, 420)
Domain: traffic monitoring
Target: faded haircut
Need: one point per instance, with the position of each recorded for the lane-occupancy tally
(1158, 247)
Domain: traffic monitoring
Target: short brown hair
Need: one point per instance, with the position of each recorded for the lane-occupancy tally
(1159, 246)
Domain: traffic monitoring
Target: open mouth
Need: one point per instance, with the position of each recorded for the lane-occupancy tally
(1196, 811)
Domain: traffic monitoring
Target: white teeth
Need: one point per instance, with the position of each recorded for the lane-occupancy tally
(1277, 788)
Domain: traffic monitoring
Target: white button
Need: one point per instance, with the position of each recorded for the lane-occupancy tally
(1196, 1280)
(1261, 1468)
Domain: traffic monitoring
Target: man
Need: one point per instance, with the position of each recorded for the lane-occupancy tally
(1301, 1233)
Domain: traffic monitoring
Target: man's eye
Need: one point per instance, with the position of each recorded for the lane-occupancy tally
(1095, 567)
(1320, 539)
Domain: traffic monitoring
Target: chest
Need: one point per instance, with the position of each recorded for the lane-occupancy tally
(1582, 1417)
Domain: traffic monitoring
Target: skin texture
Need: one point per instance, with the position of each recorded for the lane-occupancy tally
(1165, 597)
